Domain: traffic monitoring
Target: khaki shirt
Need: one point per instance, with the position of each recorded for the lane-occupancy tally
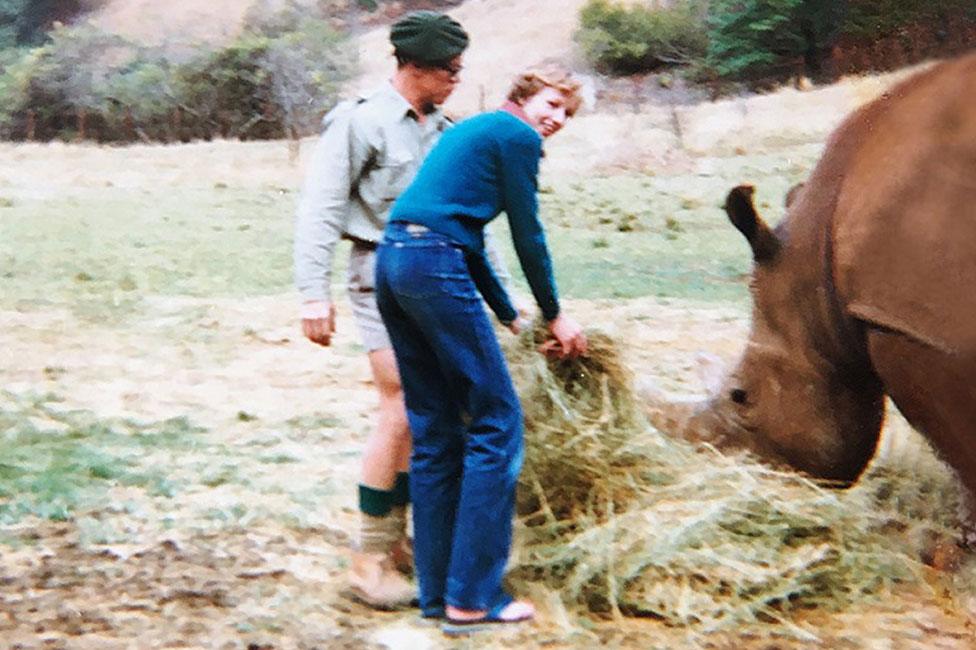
(369, 152)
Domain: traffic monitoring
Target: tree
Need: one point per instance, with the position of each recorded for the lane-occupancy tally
(75, 66)
(146, 96)
(772, 38)
(26, 22)
(625, 39)
(304, 69)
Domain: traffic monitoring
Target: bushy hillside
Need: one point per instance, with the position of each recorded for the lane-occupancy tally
(506, 34)
(149, 21)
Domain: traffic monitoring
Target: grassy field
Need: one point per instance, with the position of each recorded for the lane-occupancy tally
(110, 255)
(105, 249)
(168, 439)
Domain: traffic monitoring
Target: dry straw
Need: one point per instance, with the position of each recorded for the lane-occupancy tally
(623, 521)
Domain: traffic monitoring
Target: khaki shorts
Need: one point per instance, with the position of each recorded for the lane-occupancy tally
(362, 295)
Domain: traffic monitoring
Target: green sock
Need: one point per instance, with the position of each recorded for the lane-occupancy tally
(373, 502)
(401, 489)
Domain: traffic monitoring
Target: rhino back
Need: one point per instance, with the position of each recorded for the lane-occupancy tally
(904, 222)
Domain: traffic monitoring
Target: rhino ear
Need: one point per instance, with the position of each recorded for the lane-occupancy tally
(742, 213)
(792, 194)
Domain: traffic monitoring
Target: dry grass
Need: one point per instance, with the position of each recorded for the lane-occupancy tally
(623, 521)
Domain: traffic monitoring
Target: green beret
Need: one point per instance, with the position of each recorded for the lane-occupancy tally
(428, 37)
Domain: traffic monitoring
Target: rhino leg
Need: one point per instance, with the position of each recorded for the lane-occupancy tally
(936, 392)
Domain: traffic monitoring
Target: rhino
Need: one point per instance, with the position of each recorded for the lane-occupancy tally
(865, 289)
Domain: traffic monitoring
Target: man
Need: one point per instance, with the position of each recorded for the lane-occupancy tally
(369, 152)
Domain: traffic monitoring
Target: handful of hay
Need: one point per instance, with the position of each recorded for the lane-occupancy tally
(622, 520)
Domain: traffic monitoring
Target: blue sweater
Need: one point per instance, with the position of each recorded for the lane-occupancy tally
(483, 166)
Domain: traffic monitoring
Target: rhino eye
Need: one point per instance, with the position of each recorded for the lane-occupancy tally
(737, 395)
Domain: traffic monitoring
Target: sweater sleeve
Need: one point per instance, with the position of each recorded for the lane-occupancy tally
(519, 158)
(491, 286)
(497, 261)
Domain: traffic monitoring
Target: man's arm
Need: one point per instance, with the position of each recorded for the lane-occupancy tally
(321, 218)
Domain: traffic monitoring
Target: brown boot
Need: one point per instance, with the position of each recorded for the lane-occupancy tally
(401, 551)
(376, 582)
(373, 577)
(401, 554)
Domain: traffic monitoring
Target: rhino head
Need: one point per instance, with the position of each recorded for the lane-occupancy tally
(802, 394)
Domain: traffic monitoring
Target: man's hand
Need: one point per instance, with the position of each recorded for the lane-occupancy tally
(318, 322)
(569, 339)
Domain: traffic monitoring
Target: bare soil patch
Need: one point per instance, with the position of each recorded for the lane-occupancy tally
(257, 559)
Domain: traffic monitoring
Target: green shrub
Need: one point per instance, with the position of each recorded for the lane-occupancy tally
(267, 86)
(142, 99)
(278, 78)
(221, 91)
(25, 22)
(753, 39)
(870, 19)
(623, 39)
(305, 68)
(774, 39)
(61, 86)
(746, 36)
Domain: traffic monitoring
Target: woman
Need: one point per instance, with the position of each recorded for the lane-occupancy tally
(464, 414)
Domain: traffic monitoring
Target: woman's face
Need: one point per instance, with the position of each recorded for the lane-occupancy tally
(546, 110)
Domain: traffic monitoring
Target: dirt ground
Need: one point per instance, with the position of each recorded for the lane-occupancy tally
(165, 572)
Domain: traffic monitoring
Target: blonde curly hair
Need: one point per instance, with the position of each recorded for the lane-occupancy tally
(551, 74)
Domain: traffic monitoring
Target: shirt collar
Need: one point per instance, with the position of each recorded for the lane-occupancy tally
(404, 107)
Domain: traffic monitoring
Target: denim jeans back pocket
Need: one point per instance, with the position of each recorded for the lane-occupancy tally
(433, 269)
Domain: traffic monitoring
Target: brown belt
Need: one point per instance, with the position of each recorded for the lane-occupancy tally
(361, 243)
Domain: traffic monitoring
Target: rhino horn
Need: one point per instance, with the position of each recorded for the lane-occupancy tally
(742, 213)
(673, 415)
(711, 372)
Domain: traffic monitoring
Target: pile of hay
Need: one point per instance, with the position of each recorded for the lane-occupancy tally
(621, 520)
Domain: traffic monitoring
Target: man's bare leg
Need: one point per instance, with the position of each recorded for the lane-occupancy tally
(388, 448)
(386, 459)
(383, 495)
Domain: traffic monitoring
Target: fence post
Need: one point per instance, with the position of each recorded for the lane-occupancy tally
(82, 120)
(130, 125)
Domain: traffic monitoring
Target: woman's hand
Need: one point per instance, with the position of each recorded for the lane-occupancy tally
(569, 338)
(519, 324)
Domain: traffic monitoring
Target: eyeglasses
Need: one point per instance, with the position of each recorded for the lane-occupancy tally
(454, 69)
(451, 68)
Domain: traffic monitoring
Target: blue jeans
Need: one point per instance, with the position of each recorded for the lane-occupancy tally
(462, 476)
